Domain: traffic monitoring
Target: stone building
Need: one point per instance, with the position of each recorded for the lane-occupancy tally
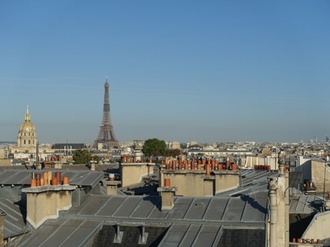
(27, 134)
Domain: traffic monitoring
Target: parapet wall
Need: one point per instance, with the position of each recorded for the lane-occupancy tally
(132, 173)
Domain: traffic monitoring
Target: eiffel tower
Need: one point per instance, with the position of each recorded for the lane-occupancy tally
(106, 134)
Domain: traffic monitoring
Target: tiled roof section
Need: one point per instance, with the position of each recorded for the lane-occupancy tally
(23, 177)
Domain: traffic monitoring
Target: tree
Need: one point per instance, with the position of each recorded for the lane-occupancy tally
(82, 156)
(154, 147)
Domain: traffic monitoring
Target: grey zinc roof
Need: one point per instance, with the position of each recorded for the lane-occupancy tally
(245, 209)
(199, 223)
(193, 221)
(98, 167)
(191, 235)
(63, 232)
(304, 204)
(13, 219)
(76, 177)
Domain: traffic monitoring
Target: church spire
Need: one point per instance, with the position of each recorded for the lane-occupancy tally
(27, 115)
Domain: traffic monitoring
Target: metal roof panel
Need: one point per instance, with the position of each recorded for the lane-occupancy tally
(197, 208)
(234, 210)
(180, 209)
(206, 236)
(216, 208)
(111, 206)
(174, 235)
(127, 207)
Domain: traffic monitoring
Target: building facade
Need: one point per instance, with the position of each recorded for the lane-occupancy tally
(27, 134)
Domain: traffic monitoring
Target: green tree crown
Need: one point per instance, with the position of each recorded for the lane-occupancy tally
(81, 156)
(154, 147)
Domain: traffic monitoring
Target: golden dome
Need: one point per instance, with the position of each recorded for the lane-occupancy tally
(27, 134)
(27, 127)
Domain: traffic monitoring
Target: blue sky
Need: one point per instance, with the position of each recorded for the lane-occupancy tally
(178, 70)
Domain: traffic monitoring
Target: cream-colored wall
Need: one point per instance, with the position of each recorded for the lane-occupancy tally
(317, 175)
(187, 183)
(167, 200)
(132, 173)
(208, 187)
(196, 183)
(226, 181)
(112, 187)
(46, 205)
(319, 227)
(111, 190)
(251, 161)
(5, 162)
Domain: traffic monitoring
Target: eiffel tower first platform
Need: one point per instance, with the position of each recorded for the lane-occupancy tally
(106, 134)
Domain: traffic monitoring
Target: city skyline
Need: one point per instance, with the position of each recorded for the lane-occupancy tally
(183, 71)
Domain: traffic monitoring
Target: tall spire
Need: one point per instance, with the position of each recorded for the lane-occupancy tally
(106, 134)
(27, 115)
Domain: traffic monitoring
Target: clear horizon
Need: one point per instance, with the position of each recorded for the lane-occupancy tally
(178, 71)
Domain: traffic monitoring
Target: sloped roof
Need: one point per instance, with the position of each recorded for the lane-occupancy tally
(200, 219)
(14, 223)
(193, 220)
(76, 177)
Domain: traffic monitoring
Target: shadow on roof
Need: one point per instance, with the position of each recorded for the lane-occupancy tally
(254, 203)
(130, 236)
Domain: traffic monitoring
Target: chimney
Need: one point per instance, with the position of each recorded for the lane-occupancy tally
(112, 185)
(167, 194)
(45, 202)
(272, 193)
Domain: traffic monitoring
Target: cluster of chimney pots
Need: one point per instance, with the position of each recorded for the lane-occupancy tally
(128, 159)
(48, 179)
(262, 167)
(204, 164)
(306, 241)
(267, 167)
